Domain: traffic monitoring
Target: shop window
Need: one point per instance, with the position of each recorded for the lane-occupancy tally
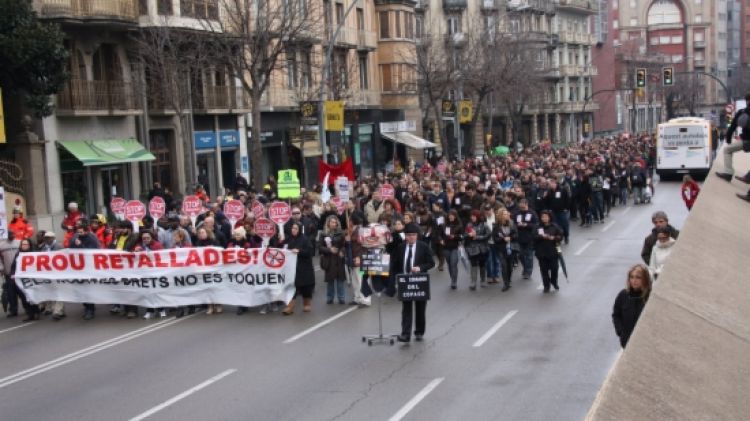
(161, 169)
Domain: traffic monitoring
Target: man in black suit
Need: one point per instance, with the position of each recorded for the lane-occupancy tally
(412, 256)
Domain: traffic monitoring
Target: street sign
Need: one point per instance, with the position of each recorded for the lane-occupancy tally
(234, 210)
(259, 211)
(308, 112)
(465, 111)
(448, 107)
(342, 188)
(117, 205)
(334, 114)
(387, 191)
(264, 227)
(288, 187)
(340, 204)
(157, 208)
(135, 210)
(279, 212)
(413, 287)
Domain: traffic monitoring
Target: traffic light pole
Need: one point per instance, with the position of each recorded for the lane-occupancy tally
(601, 91)
(726, 90)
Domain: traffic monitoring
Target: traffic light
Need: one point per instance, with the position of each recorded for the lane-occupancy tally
(667, 74)
(640, 78)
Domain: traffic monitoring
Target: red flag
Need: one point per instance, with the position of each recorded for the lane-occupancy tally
(345, 168)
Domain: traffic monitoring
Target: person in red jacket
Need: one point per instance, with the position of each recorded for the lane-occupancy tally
(102, 231)
(20, 226)
(690, 190)
(69, 222)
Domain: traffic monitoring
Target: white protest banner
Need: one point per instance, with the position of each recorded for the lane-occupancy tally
(164, 278)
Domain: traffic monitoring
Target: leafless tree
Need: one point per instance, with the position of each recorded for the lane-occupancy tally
(251, 36)
(433, 69)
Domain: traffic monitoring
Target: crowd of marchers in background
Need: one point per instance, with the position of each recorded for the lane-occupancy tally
(487, 218)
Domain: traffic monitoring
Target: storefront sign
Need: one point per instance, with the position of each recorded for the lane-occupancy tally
(156, 208)
(398, 126)
(204, 140)
(308, 112)
(229, 138)
(413, 287)
(334, 112)
(288, 187)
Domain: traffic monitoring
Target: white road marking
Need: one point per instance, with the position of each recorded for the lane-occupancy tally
(183, 395)
(608, 226)
(627, 210)
(494, 329)
(16, 327)
(585, 246)
(416, 399)
(69, 358)
(319, 325)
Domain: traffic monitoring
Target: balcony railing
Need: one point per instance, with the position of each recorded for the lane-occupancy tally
(577, 38)
(579, 5)
(367, 40)
(220, 98)
(457, 39)
(577, 70)
(489, 4)
(125, 10)
(454, 4)
(346, 36)
(284, 97)
(699, 44)
(98, 97)
(365, 98)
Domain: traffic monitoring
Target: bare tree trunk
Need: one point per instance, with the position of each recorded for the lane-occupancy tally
(441, 128)
(255, 143)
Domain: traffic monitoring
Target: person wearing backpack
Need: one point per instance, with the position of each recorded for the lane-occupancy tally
(741, 120)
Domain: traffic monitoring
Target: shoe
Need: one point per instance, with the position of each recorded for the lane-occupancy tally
(148, 315)
(566, 241)
(307, 305)
(329, 301)
(744, 179)
(11, 315)
(289, 308)
(241, 310)
(180, 313)
(440, 268)
(403, 338)
(724, 176)
(353, 303)
(191, 310)
(115, 309)
(745, 197)
(526, 277)
(88, 315)
(218, 308)
(163, 314)
(132, 315)
(556, 287)
(453, 287)
(342, 301)
(274, 307)
(264, 310)
(58, 317)
(210, 309)
(418, 338)
(31, 318)
(505, 288)
(473, 288)
(546, 290)
(47, 312)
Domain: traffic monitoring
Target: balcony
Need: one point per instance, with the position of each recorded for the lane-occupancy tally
(98, 98)
(699, 63)
(347, 37)
(275, 99)
(576, 70)
(699, 44)
(454, 4)
(456, 40)
(489, 5)
(220, 99)
(577, 38)
(109, 10)
(588, 6)
(367, 40)
(576, 106)
(363, 99)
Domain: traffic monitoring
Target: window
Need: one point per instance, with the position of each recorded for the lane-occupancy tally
(360, 19)
(339, 13)
(664, 11)
(340, 66)
(664, 40)
(654, 40)
(409, 20)
(419, 27)
(327, 17)
(615, 24)
(164, 7)
(698, 36)
(454, 25)
(387, 79)
(490, 26)
(364, 82)
(291, 69)
(398, 24)
(698, 18)
(699, 56)
(677, 58)
(677, 39)
(306, 68)
(385, 32)
(633, 22)
(615, 4)
(632, 4)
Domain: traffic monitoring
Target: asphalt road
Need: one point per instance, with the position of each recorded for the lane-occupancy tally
(487, 355)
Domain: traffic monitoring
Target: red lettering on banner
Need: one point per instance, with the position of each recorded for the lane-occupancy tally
(77, 265)
(144, 260)
(59, 262)
(115, 261)
(193, 259)
(228, 256)
(243, 257)
(100, 261)
(26, 261)
(255, 256)
(42, 263)
(173, 260)
(159, 263)
(131, 259)
(211, 257)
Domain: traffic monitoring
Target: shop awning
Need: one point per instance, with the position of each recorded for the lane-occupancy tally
(408, 139)
(309, 149)
(107, 151)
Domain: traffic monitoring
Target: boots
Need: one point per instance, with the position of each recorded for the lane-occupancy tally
(289, 309)
(473, 285)
(307, 304)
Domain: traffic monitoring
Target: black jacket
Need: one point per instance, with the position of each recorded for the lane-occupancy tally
(557, 200)
(422, 258)
(733, 126)
(88, 241)
(526, 233)
(305, 272)
(628, 307)
(544, 247)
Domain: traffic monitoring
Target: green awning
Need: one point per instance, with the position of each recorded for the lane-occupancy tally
(109, 151)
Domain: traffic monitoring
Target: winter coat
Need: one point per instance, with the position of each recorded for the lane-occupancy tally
(305, 275)
(650, 241)
(499, 232)
(545, 248)
(332, 263)
(477, 245)
(88, 241)
(451, 233)
(21, 228)
(628, 307)
(659, 254)
(526, 223)
(372, 211)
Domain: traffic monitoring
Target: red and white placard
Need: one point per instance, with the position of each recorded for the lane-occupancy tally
(192, 207)
(157, 208)
(387, 191)
(279, 212)
(118, 207)
(234, 210)
(135, 210)
(258, 209)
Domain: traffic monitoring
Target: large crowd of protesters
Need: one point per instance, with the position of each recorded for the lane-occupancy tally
(490, 216)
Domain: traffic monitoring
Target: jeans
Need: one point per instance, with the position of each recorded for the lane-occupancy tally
(728, 151)
(493, 263)
(561, 218)
(507, 264)
(623, 196)
(597, 207)
(527, 259)
(338, 285)
(637, 195)
(451, 257)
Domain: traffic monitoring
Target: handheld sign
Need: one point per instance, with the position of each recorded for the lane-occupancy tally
(342, 188)
(413, 287)
(265, 228)
(118, 207)
(376, 262)
(340, 204)
(192, 207)
(234, 210)
(387, 191)
(280, 213)
(258, 209)
(157, 207)
(135, 210)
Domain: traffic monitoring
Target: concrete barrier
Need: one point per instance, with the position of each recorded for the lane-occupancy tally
(689, 356)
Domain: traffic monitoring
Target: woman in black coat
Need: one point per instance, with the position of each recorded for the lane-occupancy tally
(331, 246)
(630, 302)
(304, 280)
(547, 237)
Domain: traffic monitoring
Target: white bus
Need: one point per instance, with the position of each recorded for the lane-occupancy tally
(683, 146)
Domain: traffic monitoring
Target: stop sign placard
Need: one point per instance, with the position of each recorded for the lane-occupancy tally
(234, 210)
(387, 191)
(192, 206)
(258, 209)
(157, 207)
(118, 205)
(135, 210)
(279, 212)
(264, 227)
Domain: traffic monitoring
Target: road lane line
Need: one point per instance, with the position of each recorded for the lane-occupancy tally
(416, 399)
(74, 356)
(494, 329)
(183, 395)
(16, 327)
(627, 210)
(319, 325)
(585, 246)
(608, 226)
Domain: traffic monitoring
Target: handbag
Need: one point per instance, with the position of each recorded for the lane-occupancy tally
(325, 261)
